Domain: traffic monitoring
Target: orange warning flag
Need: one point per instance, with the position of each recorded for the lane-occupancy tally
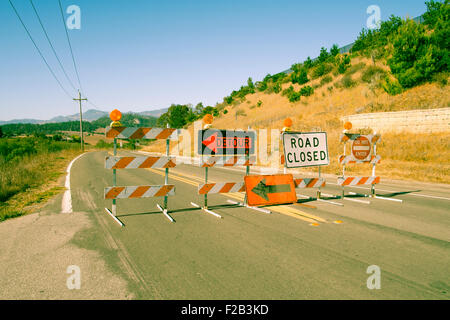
(270, 189)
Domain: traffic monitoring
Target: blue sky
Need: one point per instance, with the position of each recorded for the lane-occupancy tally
(143, 55)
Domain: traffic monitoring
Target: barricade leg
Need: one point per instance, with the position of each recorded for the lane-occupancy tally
(205, 200)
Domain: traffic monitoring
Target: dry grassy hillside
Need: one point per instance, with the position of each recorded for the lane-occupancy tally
(423, 157)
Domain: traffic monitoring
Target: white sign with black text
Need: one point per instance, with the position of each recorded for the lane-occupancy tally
(305, 149)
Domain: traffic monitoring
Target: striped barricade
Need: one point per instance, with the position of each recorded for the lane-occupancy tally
(309, 182)
(234, 161)
(358, 181)
(362, 150)
(140, 162)
(132, 192)
(143, 162)
(141, 133)
(224, 187)
(350, 159)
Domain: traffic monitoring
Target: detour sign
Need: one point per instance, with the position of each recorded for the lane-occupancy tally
(270, 189)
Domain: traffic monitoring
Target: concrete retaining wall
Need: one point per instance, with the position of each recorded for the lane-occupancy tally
(429, 120)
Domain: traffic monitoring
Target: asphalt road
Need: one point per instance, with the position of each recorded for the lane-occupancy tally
(313, 250)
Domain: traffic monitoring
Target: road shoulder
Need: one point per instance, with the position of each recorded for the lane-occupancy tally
(36, 251)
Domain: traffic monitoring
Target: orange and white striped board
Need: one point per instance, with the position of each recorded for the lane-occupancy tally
(357, 181)
(139, 162)
(227, 161)
(223, 187)
(141, 133)
(373, 138)
(309, 182)
(139, 192)
(350, 159)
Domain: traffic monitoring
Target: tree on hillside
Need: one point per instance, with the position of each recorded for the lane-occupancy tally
(323, 55)
(334, 50)
(418, 54)
(300, 76)
(177, 115)
(163, 120)
(250, 83)
(1, 132)
(308, 63)
(199, 108)
(435, 10)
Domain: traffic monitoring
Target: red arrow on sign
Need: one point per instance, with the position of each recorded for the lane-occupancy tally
(211, 142)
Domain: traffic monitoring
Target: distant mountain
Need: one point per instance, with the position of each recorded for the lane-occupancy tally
(154, 113)
(90, 115)
(33, 121)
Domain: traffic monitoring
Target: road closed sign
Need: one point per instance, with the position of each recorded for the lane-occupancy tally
(306, 149)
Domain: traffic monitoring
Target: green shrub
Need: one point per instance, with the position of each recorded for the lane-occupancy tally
(343, 64)
(277, 87)
(346, 82)
(441, 78)
(323, 55)
(300, 77)
(286, 92)
(306, 91)
(325, 80)
(391, 87)
(321, 70)
(294, 96)
(355, 68)
(261, 86)
(371, 72)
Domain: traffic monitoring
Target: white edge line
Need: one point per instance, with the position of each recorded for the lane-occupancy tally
(66, 205)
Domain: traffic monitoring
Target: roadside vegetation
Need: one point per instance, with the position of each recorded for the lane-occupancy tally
(34, 157)
(29, 171)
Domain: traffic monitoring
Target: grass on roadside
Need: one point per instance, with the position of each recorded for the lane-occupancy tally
(29, 179)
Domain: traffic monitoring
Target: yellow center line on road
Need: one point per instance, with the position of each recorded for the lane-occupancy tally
(289, 211)
(237, 196)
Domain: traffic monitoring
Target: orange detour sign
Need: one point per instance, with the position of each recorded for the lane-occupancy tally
(361, 148)
(268, 190)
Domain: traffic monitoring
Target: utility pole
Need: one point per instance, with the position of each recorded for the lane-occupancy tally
(81, 120)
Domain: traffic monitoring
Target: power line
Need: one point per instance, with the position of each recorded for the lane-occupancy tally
(73, 57)
(51, 45)
(70, 46)
(38, 50)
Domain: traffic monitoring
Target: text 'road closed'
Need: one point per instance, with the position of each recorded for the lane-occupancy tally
(305, 149)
